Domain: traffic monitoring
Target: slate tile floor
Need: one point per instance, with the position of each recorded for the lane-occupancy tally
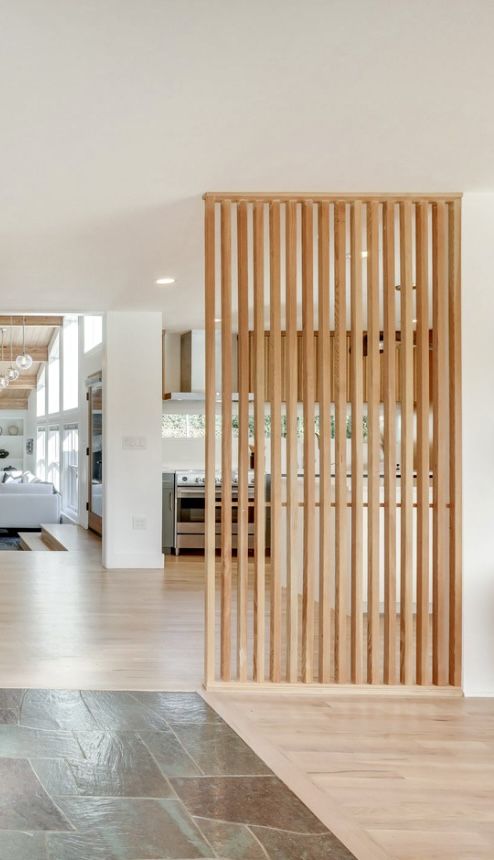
(141, 776)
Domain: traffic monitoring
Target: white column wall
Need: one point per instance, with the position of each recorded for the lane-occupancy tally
(478, 443)
(132, 402)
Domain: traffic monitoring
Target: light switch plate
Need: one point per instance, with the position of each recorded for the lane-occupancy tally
(134, 443)
(139, 523)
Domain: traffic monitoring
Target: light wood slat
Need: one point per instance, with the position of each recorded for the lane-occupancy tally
(259, 444)
(309, 442)
(226, 440)
(389, 660)
(243, 439)
(324, 390)
(423, 433)
(275, 397)
(406, 453)
(340, 360)
(374, 433)
(455, 440)
(356, 386)
(291, 443)
(330, 197)
(29, 321)
(210, 389)
(440, 386)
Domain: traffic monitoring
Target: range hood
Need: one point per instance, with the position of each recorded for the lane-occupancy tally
(193, 367)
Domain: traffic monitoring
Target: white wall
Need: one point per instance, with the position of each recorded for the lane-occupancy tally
(132, 402)
(478, 443)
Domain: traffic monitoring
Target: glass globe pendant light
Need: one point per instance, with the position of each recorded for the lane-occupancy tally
(23, 361)
(4, 382)
(12, 372)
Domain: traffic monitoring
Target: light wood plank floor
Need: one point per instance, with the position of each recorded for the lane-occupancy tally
(67, 622)
(397, 778)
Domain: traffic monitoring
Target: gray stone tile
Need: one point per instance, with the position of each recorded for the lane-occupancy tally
(122, 712)
(20, 742)
(234, 841)
(148, 829)
(22, 846)
(55, 709)
(9, 717)
(218, 750)
(262, 800)
(117, 765)
(80, 846)
(55, 776)
(179, 707)
(24, 804)
(170, 754)
(280, 845)
(11, 698)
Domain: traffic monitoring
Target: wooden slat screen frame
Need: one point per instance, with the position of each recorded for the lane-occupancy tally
(390, 351)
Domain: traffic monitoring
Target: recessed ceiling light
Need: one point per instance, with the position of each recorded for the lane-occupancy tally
(218, 319)
(163, 281)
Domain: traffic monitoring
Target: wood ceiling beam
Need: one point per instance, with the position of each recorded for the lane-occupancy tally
(23, 383)
(37, 353)
(10, 403)
(52, 321)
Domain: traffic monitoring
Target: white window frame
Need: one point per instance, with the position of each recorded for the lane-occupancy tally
(92, 332)
(70, 471)
(54, 374)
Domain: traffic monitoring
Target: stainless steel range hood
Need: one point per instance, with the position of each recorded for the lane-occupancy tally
(193, 366)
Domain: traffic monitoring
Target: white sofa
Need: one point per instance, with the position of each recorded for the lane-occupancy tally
(28, 505)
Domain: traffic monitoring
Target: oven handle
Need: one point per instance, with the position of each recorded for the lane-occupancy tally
(190, 492)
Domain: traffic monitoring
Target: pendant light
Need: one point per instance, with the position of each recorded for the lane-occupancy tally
(4, 382)
(24, 361)
(12, 372)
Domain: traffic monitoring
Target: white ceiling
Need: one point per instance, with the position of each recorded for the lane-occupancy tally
(116, 115)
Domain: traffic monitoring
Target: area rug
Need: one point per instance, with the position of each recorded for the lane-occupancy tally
(9, 542)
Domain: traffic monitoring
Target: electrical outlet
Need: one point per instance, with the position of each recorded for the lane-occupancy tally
(139, 523)
(134, 443)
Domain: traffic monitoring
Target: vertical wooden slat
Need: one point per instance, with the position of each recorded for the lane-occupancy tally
(324, 391)
(422, 465)
(357, 394)
(440, 387)
(455, 475)
(210, 537)
(340, 360)
(291, 443)
(259, 444)
(374, 433)
(275, 397)
(243, 440)
(389, 661)
(226, 440)
(309, 440)
(406, 448)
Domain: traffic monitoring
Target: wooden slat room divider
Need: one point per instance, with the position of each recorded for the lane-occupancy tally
(333, 539)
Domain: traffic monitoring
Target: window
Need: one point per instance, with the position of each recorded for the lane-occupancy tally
(70, 468)
(93, 332)
(70, 363)
(54, 375)
(53, 457)
(41, 393)
(41, 453)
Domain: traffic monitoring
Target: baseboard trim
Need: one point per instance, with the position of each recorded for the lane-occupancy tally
(133, 561)
(300, 689)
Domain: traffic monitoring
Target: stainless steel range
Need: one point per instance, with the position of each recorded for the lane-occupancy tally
(191, 505)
